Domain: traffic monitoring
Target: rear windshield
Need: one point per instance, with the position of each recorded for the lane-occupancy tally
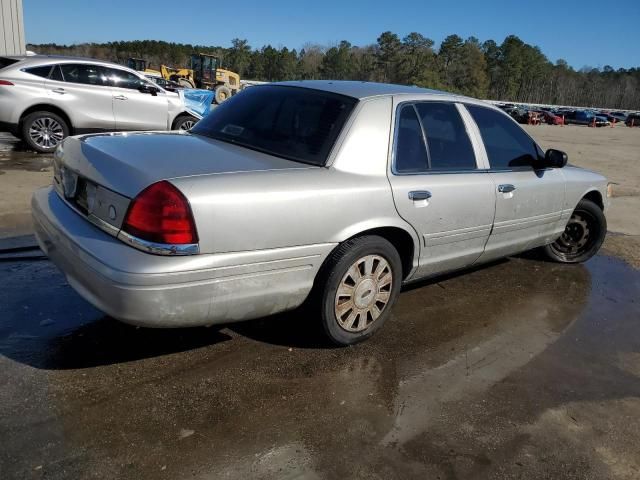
(295, 123)
(5, 62)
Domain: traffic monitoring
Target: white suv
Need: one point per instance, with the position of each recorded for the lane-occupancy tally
(43, 99)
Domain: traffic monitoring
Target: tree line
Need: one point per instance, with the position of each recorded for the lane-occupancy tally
(512, 71)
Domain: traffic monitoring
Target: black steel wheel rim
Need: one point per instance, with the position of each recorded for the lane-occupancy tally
(579, 236)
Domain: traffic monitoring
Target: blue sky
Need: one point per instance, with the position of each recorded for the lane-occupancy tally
(585, 32)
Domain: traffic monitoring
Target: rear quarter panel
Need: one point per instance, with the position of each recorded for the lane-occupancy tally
(284, 208)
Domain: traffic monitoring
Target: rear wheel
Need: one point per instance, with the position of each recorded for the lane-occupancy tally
(222, 92)
(582, 237)
(43, 131)
(358, 287)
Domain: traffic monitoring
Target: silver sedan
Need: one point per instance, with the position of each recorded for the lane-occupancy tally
(334, 193)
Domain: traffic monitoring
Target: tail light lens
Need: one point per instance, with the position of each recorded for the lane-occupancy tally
(161, 214)
(5, 82)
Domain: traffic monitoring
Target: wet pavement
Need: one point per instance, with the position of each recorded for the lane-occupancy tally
(14, 155)
(520, 369)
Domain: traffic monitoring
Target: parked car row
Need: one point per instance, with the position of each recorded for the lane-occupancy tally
(567, 116)
(44, 99)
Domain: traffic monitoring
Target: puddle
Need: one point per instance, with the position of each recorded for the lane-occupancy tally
(449, 387)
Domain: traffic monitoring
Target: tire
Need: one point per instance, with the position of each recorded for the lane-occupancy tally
(222, 92)
(583, 235)
(363, 310)
(184, 122)
(43, 131)
(183, 82)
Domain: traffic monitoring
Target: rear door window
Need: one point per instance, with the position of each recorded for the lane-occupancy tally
(83, 73)
(448, 144)
(56, 74)
(410, 150)
(39, 71)
(506, 144)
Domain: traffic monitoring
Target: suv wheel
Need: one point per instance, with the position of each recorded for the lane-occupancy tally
(358, 287)
(43, 131)
(185, 122)
(582, 237)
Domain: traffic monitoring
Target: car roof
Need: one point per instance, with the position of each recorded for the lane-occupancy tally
(51, 59)
(361, 90)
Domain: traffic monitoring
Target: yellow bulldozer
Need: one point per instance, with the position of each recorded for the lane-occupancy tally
(205, 73)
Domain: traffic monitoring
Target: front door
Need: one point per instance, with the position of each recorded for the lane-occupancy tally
(439, 187)
(528, 200)
(133, 109)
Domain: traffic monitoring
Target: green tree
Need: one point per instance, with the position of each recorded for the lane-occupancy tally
(337, 63)
(238, 57)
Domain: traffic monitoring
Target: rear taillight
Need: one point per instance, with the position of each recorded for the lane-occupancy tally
(5, 82)
(161, 214)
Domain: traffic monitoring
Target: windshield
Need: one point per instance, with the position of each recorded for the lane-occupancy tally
(295, 123)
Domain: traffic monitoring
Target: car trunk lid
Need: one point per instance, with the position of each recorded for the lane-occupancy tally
(127, 163)
(98, 175)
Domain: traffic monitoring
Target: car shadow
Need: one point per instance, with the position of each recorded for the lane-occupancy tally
(49, 326)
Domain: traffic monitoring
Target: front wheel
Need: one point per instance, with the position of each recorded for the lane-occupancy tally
(582, 237)
(358, 287)
(185, 122)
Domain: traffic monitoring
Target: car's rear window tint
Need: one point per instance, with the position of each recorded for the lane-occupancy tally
(56, 74)
(299, 124)
(447, 140)
(39, 71)
(5, 62)
(410, 151)
(87, 74)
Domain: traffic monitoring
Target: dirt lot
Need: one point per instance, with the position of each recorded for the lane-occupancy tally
(519, 369)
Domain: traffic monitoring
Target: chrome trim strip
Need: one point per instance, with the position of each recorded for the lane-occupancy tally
(158, 248)
(102, 225)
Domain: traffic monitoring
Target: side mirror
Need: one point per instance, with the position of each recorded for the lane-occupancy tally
(146, 88)
(555, 158)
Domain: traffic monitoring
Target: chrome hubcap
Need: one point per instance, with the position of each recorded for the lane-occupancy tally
(187, 125)
(46, 132)
(363, 293)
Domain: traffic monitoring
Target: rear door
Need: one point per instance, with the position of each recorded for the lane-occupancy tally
(133, 109)
(81, 91)
(528, 201)
(439, 186)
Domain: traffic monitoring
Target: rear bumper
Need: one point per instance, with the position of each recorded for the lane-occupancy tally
(158, 291)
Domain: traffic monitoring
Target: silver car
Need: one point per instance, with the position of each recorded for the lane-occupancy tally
(335, 193)
(44, 99)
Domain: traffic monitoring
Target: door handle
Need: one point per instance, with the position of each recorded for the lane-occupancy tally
(58, 90)
(506, 188)
(417, 195)
(120, 97)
